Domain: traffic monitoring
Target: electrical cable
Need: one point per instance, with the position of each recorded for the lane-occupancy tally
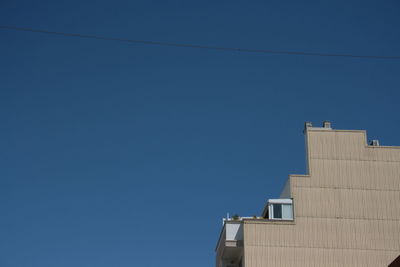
(263, 51)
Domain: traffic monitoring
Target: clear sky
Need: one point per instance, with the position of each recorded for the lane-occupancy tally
(116, 154)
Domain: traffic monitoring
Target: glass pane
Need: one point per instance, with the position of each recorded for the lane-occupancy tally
(277, 211)
(287, 211)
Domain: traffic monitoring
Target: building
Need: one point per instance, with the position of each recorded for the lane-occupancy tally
(344, 212)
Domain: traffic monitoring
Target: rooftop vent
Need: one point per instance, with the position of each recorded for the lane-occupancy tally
(374, 143)
(326, 124)
(307, 125)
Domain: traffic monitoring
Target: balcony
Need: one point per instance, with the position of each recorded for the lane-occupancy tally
(230, 244)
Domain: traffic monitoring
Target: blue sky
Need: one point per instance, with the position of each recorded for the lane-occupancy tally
(116, 154)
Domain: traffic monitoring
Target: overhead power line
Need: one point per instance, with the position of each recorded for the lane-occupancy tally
(262, 51)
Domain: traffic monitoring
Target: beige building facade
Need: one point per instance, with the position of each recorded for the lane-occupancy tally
(345, 211)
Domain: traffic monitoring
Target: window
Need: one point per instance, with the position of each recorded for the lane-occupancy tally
(280, 211)
(277, 208)
(287, 212)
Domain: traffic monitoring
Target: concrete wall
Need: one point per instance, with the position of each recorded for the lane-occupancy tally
(234, 231)
(347, 210)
